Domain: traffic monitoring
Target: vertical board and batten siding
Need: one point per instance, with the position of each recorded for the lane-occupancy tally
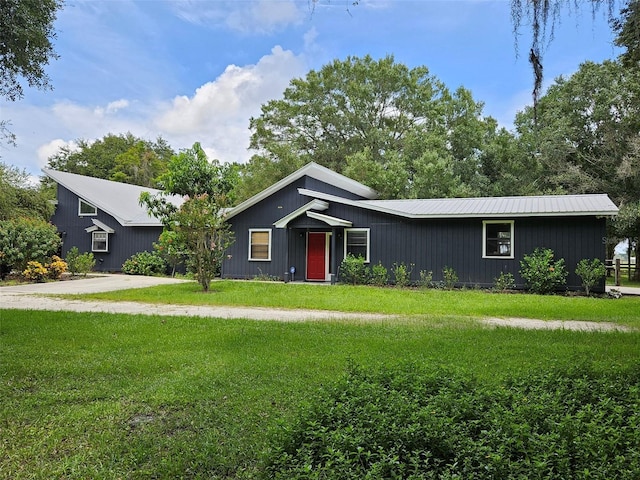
(433, 244)
(426, 244)
(125, 242)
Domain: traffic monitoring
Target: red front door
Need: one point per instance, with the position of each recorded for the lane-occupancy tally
(316, 256)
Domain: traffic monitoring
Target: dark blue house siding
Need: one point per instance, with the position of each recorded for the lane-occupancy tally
(125, 242)
(427, 244)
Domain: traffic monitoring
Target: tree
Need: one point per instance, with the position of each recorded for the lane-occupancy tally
(587, 131)
(26, 239)
(26, 46)
(627, 28)
(19, 198)
(377, 120)
(121, 158)
(199, 221)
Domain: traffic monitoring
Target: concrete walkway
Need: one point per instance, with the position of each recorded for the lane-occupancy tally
(33, 297)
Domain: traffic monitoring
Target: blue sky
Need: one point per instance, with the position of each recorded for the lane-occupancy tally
(198, 70)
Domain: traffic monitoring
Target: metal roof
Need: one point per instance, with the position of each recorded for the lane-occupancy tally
(312, 170)
(120, 200)
(497, 207)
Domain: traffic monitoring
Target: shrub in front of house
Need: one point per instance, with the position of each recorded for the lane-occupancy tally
(56, 268)
(411, 421)
(590, 272)
(504, 282)
(35, 272)
(353, 270)
(79, 264)
(378, 276)
(23, 240)
(402, 274)
(542, 273)
(144, 263)
(449, 278)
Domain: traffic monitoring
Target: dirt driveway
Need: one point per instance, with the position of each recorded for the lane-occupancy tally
(30, 297)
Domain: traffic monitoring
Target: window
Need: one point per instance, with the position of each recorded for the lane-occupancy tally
(99, 241)
(497, 239)
(260, 244)
(356, 242)
(85, 209)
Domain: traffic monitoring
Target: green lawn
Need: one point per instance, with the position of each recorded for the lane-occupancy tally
(346, 298)
(117, 396)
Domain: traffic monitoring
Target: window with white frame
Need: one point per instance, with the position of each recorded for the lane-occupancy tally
(260, 244)
(85, 209)
(99, 241)
(356, 242)
(497, 239)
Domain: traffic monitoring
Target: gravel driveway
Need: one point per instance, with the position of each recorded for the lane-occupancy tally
(28, 297)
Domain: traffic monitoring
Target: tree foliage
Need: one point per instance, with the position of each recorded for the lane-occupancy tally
(399, 130)
(23, 240)
(199, 221)
(26, 44)
(122, 158)
(19, 198)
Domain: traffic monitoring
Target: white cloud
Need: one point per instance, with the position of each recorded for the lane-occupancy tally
(218, 113)
(51, 148)
(249, 17)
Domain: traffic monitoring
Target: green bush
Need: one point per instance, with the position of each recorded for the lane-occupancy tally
(353, 270)
(504, 282)
(449, 278)
(144, 263)
(23, 240)
(407, 422)
(426, 279)
(590, 272)
(79, 264)
(402, 274)
(378, 275)
(543, 274)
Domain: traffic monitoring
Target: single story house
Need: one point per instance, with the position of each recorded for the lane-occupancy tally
(103, 217)
(303, 226)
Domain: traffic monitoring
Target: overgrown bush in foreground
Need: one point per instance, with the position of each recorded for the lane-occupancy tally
(405, 423)
(144, 263)
(542, 273)
(79, 264)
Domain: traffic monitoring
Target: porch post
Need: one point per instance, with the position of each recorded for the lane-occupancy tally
(333, 268)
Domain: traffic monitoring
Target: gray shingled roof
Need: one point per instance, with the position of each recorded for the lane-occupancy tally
(120, 200)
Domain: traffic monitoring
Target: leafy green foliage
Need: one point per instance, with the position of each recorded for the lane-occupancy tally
(353, 270)
(122, 158)
(449, 278)
(144, 263)
(402, 274)
(410, 422)
(379, 275)
(542, 274)
(504, 282)
(27, 44)
(23, 240)
(426, 279)
(79, 264)
(590, 272)
(171, 249)
(198, 222)
(18, 198)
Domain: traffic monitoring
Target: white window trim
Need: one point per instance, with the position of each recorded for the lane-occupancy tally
(93, 237)
(268, 259)
(80, 214)
(484, 239)
(368, 230)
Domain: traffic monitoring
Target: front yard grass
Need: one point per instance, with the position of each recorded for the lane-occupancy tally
(107, 396)
(393, 301)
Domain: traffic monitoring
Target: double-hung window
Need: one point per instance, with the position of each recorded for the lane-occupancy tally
(99, 241)
(356, 242)
(497, 236)
(260, 244)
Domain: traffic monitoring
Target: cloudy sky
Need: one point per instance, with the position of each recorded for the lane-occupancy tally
(198, 70)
